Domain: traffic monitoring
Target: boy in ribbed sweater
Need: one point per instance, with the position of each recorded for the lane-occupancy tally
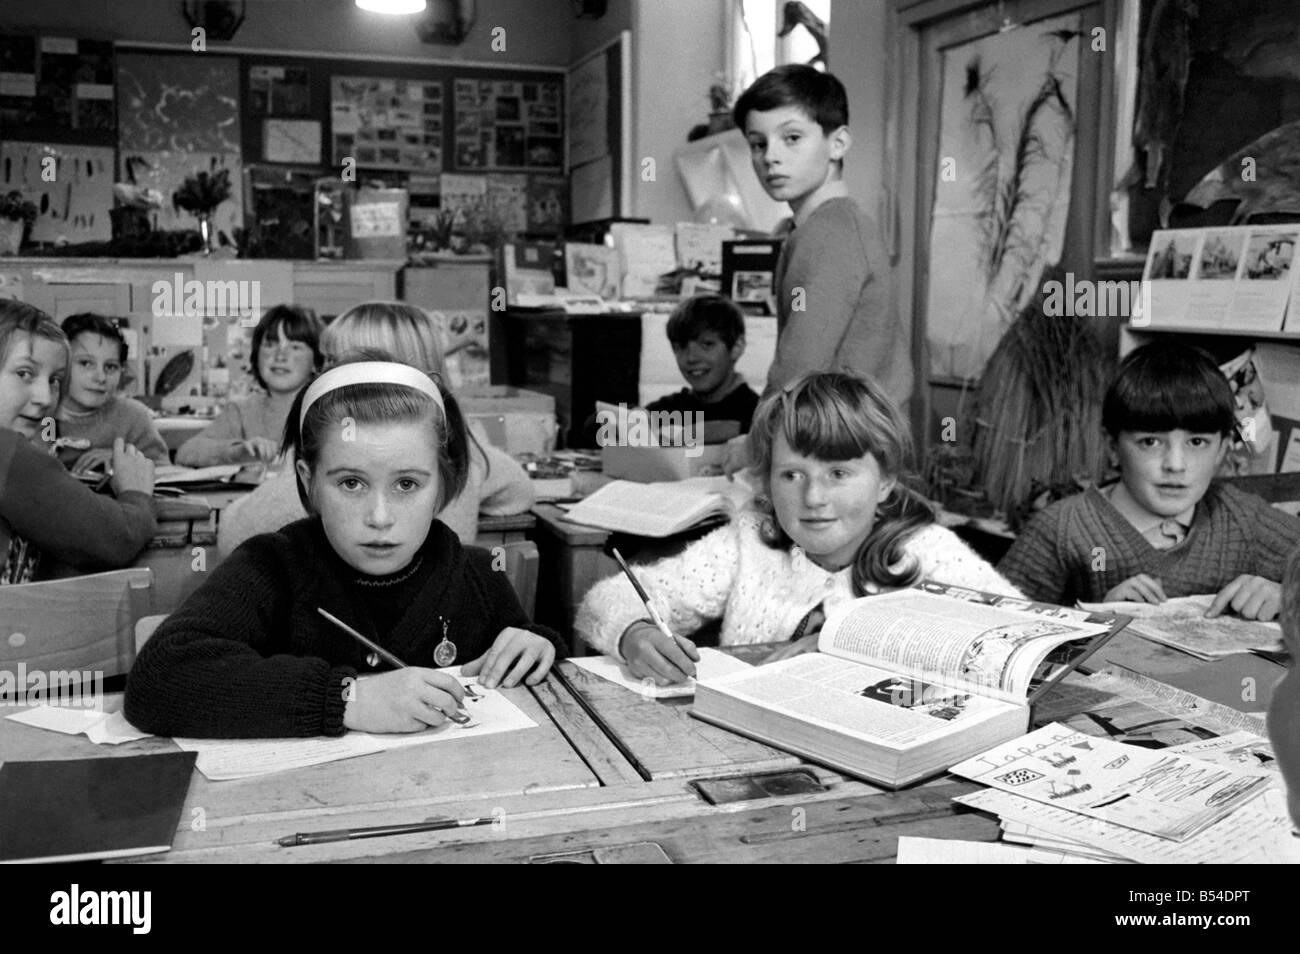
(1165, 529)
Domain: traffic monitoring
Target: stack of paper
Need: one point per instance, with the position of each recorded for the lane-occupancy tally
(1067, 793)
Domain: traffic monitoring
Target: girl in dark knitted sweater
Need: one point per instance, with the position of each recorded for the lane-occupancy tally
(379, 448)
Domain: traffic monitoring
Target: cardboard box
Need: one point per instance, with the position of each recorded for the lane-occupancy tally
(650, 464)
(499, 398)
(519, 432)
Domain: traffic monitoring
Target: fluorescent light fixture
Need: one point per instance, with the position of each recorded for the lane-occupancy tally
(392, 6)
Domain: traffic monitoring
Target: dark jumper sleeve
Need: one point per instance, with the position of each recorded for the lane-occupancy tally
(213, 671)
(64, 518)
(1276, 535)
(501, 603)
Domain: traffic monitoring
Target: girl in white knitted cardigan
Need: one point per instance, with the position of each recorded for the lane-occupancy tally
(830, 522)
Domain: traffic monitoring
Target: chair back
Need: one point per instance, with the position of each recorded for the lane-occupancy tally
(76, 625)
(521, 566)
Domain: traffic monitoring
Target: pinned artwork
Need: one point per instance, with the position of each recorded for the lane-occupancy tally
(71, 208)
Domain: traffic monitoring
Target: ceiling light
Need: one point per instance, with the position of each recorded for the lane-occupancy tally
(392, 6)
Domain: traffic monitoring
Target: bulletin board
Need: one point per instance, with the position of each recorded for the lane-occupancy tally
(57, 89)
(294, 104)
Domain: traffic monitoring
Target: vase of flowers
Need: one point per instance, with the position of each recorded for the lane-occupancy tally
(199, 195)
(16, 217)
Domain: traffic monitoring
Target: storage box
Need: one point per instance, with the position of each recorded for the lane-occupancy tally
(499, 398)
(650, 464)
(519, 432)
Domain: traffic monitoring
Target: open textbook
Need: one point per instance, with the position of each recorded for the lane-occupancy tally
(1181, 623)
(907, 683)
(658, 509)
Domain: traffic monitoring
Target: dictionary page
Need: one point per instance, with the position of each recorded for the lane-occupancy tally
(992, 648)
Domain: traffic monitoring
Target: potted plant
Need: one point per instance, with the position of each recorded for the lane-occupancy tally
(199, 195)
(16, 217)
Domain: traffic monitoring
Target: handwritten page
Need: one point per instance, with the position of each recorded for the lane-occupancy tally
(1156, 792)
(939, 851)
(1240, 750)
(712, 664)
(1257, 832)
(1019, 833)
(221, 759)
(102, 728)
(1181, 623)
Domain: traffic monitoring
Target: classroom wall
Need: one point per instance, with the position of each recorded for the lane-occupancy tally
(537, 31)
(858, 51)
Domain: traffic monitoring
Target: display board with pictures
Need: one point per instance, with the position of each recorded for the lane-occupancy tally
(56, 89)
(1223, 278)
(508, 124)
(387, 123)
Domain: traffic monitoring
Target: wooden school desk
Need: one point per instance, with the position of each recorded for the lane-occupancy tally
(570, 790)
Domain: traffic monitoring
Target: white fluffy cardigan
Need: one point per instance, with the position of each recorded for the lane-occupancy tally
(758, 592)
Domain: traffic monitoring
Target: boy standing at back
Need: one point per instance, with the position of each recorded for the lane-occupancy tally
(834, 308)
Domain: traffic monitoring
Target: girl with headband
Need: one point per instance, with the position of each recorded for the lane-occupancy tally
(379, 448)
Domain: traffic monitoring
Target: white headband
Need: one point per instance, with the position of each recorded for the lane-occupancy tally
(368, 372)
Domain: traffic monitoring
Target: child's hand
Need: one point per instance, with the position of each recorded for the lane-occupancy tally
(256, 448)
(525, 650)
(406, 700)
(1253, 597)
(97, 458)
(652, 655)
(1137, 589)
(131, 469)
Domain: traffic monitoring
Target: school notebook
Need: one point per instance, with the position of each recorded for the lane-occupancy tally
(907, 684)
(85, 809)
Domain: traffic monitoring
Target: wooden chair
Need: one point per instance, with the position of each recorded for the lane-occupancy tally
(521, 566)
(79, 624)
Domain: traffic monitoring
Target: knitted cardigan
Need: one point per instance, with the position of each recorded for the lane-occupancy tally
(760, 593)
(249, 656)
(1081, 547)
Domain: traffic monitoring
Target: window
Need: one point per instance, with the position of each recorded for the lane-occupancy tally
(756, 43)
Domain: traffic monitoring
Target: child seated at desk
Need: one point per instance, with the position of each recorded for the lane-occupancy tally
(45, 511)
(1166, 528)
(379, 447)
(92, 415)
(496, 485)
(707, 333)
(286, 355)
(1284, 712)
(832, 521)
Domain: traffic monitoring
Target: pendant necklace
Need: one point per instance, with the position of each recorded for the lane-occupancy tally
(444, 654)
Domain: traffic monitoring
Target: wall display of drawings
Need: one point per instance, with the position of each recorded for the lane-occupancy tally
(1230, 277)
(508, 124)
(74, 207)
(178, 104)
(1002, 195)
(387, 123)
(55, 83)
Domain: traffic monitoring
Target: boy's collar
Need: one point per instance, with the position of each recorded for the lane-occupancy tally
(832, 189)
(1142, 519)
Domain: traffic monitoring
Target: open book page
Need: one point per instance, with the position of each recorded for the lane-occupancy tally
(1258, 832)
(650, 510)
(864, 702)
(993, 649)
(1181, 623)
(713, 664)
(1168, 795)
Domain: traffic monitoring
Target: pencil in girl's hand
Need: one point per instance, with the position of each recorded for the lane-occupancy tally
(640, 591)
(385, 655)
